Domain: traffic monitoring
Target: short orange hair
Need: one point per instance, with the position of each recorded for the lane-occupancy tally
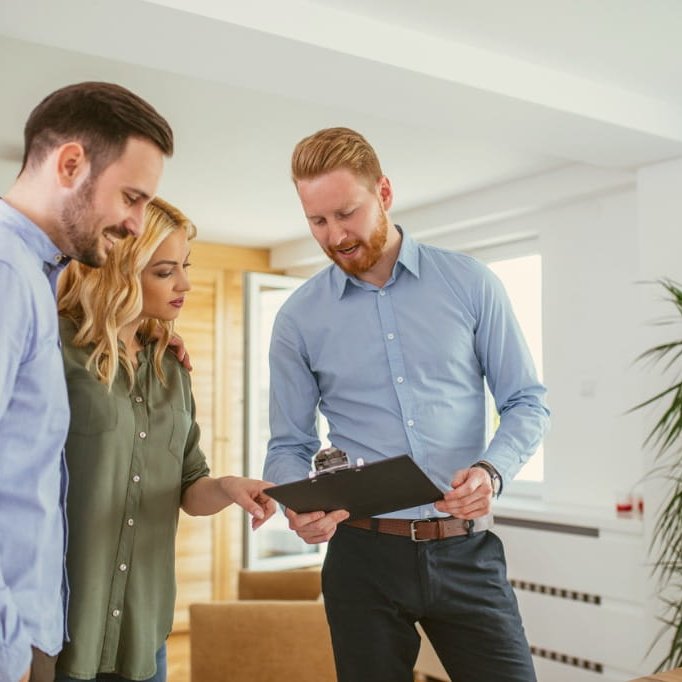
(333, 148)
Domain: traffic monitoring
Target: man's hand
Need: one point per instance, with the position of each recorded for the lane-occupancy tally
(315, 527)
(177, 345)
(26, 676)
(471, 495)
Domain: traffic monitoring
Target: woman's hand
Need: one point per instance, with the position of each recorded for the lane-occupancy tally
(250, 494)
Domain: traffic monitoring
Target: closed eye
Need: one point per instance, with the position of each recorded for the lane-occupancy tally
(130, 199)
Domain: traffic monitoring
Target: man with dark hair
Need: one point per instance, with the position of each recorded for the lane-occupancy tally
(92, 161)
(393, 342)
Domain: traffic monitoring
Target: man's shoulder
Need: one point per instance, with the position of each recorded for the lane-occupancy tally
(315, 291)
(20, 274)
(456, 262)
(16, 255)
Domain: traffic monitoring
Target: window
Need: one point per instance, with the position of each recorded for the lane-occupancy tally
(274, 546)
(522, 278)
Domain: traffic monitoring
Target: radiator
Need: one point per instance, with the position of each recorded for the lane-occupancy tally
(582, 594)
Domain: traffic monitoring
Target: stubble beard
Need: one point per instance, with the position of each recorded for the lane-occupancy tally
(372, 250)
(78, 220)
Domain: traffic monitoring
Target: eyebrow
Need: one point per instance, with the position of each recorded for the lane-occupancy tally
(169, 262)
(164, 262)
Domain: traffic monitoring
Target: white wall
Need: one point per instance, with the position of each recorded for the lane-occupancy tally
(589, 253)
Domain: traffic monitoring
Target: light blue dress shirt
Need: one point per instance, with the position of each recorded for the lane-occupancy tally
(400, 369)
(34, 420)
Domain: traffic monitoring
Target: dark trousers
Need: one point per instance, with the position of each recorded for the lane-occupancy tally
(376, 586)
(42, 666)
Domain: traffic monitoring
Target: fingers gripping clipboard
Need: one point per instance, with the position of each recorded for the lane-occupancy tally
(363, 489)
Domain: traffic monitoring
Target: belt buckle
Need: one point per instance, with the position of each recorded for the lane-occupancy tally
(413, 530)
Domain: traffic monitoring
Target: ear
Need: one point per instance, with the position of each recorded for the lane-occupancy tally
(385, 192)
(71, 164)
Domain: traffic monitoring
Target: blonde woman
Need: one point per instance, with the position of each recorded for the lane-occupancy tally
(133, 452)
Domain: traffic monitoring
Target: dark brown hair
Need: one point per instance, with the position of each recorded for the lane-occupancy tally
(101, 116)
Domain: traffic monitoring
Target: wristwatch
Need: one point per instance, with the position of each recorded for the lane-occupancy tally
(495, 478)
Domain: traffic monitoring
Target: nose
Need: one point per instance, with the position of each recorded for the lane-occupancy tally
(134, 223)
(182, 283)
(337, 233)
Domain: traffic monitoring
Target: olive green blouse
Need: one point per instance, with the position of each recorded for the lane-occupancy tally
(130, 454)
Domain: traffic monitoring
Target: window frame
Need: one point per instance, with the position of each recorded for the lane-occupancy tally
(254, 544)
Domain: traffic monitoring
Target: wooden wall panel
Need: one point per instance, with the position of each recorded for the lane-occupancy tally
(208, 554)
(194, 544)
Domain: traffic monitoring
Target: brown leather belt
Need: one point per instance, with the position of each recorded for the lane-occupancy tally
(421, 530)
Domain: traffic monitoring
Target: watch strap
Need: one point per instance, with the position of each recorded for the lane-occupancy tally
(495, 478)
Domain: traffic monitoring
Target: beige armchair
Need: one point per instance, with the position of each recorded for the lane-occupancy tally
(299, 584)
(276, 630)
(260, 641)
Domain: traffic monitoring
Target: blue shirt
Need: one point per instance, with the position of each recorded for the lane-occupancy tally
(400, 369)
(34, 420)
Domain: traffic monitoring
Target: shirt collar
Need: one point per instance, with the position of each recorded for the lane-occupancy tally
(36, 240)
(408, 259)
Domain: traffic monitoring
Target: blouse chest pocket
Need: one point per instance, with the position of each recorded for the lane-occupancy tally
(182, 421)
(93, 408)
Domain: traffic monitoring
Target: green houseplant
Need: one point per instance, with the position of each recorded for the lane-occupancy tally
(664, 436)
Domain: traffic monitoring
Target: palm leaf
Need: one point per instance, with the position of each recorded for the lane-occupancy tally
(666, 545)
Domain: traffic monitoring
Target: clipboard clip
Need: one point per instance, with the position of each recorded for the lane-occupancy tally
(332, 459)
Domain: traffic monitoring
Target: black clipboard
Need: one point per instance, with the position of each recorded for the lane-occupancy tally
(366, 490)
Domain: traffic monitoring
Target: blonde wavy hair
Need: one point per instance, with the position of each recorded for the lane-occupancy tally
(101, 301)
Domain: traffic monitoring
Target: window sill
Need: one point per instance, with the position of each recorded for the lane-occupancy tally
(603, 518)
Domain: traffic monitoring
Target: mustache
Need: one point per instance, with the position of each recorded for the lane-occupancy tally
(118, 231)
(346, 245)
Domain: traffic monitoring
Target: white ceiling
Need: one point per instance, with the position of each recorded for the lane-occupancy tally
(456, 95)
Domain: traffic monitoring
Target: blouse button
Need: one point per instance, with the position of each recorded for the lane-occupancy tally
(131, 522)
(143, 434)
(400, 380)
(123, 567)
(138, 399)
(115, 613)
(136, 479)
